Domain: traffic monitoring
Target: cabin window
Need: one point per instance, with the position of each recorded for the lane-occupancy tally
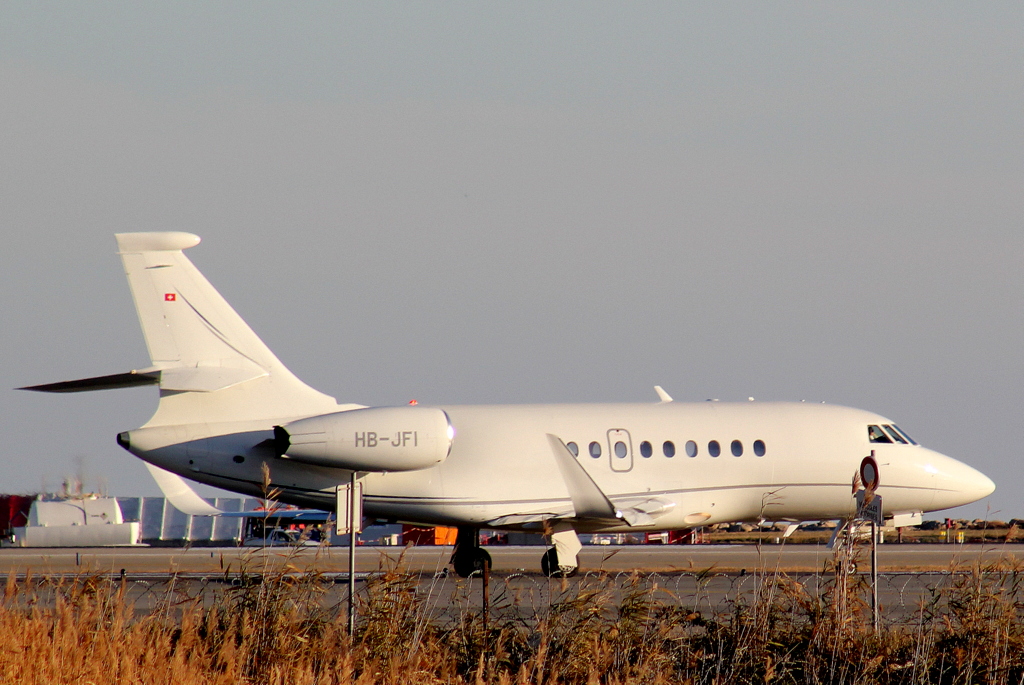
(876, 434)
(894, 435)
(645, 449)
(669, 448)
(620, 449)
(691, 448)
(714, 449)
(904, 434)
(737, 448)
(759, 448)
(238, 458)
(574, 448)
(595, 449)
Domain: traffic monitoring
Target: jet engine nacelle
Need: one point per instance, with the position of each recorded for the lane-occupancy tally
(372, 439)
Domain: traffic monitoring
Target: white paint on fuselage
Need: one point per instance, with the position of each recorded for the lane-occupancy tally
(501, 464)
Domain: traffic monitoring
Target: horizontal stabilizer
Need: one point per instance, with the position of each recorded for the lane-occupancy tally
(111, 382)
(177, 379)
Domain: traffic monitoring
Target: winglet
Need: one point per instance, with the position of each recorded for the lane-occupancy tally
(662, 395)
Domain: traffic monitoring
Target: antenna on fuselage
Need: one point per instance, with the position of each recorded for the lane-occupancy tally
(662, 395)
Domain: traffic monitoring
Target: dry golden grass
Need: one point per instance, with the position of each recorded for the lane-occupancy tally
(276, 629)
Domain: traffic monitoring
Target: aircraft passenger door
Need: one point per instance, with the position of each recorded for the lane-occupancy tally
(620, 449)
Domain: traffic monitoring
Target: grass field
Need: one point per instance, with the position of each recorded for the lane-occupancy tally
(276, 628)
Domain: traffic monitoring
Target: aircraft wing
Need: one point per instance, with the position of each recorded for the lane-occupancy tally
(588, 500)
(532, 519)
(633, 511)
(186, 500)
(180, 495)
(643, 511)
(296, 514)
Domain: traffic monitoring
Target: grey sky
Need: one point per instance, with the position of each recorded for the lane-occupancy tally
(526, 202)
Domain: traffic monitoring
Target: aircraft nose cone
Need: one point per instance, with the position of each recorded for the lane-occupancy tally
(957, 483)
(980, 485)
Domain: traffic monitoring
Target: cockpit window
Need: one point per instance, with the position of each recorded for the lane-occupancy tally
(876, 434)
(889, 433)
(904, 434)
(895, 436)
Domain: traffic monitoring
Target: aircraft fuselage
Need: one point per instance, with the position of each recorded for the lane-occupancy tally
(775, 461)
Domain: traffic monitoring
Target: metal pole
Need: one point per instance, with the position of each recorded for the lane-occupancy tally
(352, 556)
(874, 575)
(487, 592)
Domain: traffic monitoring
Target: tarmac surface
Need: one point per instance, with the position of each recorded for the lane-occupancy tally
(914, 580)
(789, 558)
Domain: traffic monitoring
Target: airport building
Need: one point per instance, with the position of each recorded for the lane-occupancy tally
(76, 521)
(161, 524)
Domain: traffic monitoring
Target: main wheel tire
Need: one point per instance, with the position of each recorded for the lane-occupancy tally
(468, 564)
(550, 568)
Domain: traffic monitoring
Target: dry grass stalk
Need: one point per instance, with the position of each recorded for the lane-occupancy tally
(276, 628)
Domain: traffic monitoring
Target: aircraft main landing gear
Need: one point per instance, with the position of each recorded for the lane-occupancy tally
(560, 561)
(550, 567)
(468, 557)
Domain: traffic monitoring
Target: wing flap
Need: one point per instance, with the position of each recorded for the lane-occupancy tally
(534, 519)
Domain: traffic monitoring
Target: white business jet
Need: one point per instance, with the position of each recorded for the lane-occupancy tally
(228, 407)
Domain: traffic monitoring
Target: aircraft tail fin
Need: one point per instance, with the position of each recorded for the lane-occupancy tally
(212, 366)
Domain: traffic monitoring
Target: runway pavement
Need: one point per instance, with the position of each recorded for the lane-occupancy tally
(709, 579)
(789, 558)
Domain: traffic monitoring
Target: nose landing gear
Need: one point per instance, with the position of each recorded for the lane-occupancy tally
(468, 557)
